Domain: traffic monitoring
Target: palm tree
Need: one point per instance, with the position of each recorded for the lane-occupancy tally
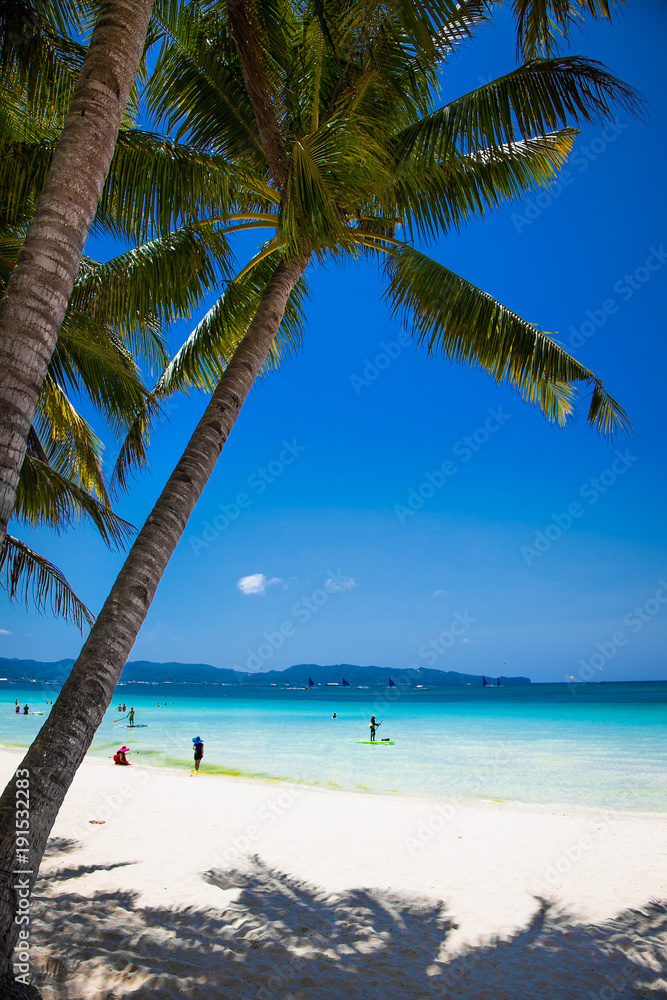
(327, 112)
(114, 321)
(36, 298)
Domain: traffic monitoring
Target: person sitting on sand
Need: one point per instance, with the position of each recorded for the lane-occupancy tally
(120, 758)
(373, 726)
(199, 751)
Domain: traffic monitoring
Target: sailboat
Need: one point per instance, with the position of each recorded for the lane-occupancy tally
(485, 683)
(310, 684)
(391, 683)
(498, 682)
(346, 684)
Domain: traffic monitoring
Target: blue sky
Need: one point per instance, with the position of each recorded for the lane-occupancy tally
(492, 545)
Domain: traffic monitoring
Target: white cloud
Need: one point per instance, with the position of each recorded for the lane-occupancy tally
(467, 640)
(438, 592)
(345, 584)
(256, 583)
(3, 631)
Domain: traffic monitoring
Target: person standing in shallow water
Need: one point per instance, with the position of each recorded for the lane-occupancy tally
(131, 717)
(373, 727)
(199, 751)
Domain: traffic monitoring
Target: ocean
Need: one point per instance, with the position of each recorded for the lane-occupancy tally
(596, 745)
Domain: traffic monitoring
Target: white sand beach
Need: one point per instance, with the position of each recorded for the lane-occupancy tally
(216, 887)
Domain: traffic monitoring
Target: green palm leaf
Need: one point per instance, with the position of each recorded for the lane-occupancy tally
(39, 60)
(46, 497)
(454, 318)
(89, 358)
(201, 361)
(154, 184)
(28, 575)
(535, 99)
(157, 184)
(67, 441)
(197, 87)
(543, 24)
(446, 196)
(152, 285)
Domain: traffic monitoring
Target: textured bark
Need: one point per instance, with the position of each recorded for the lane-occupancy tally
(34, 303)
(245, 32)
(61, 745)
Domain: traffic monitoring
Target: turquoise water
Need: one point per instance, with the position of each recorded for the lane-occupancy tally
(602, 746)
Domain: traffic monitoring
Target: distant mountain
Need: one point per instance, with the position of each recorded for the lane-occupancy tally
(372, 676)
(143, 671)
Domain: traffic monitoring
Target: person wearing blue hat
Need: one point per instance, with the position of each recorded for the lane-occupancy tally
(199, 750)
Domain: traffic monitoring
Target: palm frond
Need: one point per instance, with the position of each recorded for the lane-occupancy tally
(154, 284)
(9, 250)
(542, 25)
(156, 185)
(67, 441)
(430, 202)
(39, 62)
(196, 90)
(203, 358)
(89, 358)
(31, 578)
(46, 497)
(454, 318)
(535, 99)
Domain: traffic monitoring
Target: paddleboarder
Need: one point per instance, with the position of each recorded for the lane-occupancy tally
(131, 718)
(373, 727)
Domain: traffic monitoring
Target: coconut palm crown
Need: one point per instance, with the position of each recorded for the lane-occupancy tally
(329, 113)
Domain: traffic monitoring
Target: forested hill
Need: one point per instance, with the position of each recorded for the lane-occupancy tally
(297, 676)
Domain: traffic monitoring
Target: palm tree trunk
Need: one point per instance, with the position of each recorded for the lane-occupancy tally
(34, 303)
(61, 745)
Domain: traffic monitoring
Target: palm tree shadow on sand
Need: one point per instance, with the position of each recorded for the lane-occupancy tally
(279, 938)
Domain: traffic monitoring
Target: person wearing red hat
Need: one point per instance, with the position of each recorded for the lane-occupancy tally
(120, 758)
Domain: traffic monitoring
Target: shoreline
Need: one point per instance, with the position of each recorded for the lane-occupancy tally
(270, 869)
(517, 804)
